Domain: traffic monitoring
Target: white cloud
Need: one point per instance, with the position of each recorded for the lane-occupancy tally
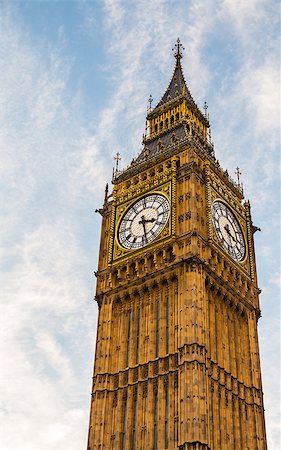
(44, 305)
(247, 17)
(114, 12)
(262, 92)
(45, 290)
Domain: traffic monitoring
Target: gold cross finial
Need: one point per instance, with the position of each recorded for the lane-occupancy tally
(150, 100)
(117, 159)
(238, 173)
(205, 108)
(178, 49)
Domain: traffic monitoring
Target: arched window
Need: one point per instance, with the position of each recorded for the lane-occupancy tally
(166, 123)
(124, 423)
(172, 120)
(128, 339)
(157, 330)
(155, 408)
(138, 336)
(166, 415)
(161, 125)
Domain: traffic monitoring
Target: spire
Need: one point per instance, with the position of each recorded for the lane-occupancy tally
(177, 88)
(176, 119)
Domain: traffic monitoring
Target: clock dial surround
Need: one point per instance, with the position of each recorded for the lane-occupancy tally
(228, 231)
(143, 221)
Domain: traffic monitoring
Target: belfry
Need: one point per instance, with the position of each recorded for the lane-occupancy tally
(177, 358)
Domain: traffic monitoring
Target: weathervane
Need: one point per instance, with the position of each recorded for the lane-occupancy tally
(178, 50)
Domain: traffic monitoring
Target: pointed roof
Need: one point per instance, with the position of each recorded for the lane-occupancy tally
(177, 88)
(177, 84)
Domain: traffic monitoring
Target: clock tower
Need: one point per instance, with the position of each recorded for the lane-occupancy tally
(177, 357)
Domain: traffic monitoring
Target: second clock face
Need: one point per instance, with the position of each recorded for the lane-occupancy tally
(228, 231)
(144, 221)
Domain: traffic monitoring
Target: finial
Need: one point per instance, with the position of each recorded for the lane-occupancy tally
(238, 173)
(106, 193)
(240, 185)
(178, 49)
(117, 159)
(205, 107)
(150, 100)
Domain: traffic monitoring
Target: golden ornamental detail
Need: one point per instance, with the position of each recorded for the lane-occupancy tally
(111, 231)
(117, 251)
(142, 184)
(220, 188)
(209, 202)
(250, 240)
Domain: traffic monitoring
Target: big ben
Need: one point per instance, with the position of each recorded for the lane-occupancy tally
(177, 357)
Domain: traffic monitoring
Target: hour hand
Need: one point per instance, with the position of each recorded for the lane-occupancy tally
(143, 222)
(226, 227)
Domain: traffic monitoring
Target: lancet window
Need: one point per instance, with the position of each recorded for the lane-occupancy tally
(157, 330)
(155, 417)
(166, 415)
(134, 422)
(124, 423)
(128, 339)
(138, 336)
(167, 325)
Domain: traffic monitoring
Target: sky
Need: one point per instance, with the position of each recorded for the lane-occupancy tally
(74, 86)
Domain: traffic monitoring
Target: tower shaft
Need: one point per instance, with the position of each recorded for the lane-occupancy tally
(177, 358)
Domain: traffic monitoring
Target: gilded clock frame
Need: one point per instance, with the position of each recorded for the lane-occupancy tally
(241, 225)
(117, 252)
(217, 191)
(161, 226)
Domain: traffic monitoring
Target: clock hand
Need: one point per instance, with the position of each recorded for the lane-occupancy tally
(143, 222)
(226, 227)
(150, 220)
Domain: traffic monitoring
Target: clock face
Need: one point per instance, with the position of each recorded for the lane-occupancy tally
(228, 231)
(144, 221)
